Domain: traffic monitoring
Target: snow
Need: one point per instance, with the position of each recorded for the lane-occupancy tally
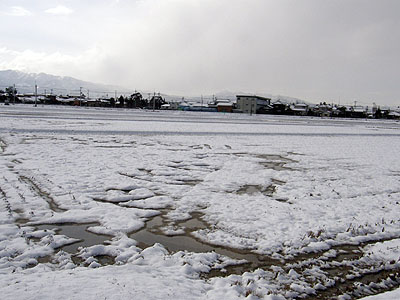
(392, 295)
(385, 251)
(273, 185)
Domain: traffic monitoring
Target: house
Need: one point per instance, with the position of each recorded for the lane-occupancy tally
(395, 115)
(66, 100)
(195, 106)
(278, 107)
(385, 110)
(299, 109)
(251, 103)
(358, 112)
(28, 99)
(184, 106)
(370, 112)
(322, 110)
(155, 102)
(221, 105)
(98, 102)
(225, 107)
(174, 105)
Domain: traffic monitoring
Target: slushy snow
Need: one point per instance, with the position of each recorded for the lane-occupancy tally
(276, 186)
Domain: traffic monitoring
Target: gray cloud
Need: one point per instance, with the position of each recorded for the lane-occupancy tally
(316, 50)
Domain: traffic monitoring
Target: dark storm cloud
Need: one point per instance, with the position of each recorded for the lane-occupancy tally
(316, 50)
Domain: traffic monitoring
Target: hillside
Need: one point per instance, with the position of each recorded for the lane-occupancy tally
(25, 83)
(63, 85)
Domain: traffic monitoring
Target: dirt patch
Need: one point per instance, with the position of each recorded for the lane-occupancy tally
(7, 204)
(3, 145)
(270, 161)
(191, 182)
(275, 165)
(277, 181)
(275, 162)
(252, 189)
(46, 196)
(20, 220)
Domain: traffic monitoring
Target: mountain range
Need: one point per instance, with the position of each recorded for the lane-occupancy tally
(63, 85)
(25, 83)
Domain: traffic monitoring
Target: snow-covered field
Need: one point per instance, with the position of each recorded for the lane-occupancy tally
(314, 202)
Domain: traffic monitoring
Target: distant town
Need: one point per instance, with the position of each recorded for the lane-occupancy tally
(247, 103)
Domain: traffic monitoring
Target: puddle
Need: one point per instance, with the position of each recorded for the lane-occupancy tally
(339, 267)
(343, 265)
(85, 237)
(152, 234)
(194, 223)
(77, 231)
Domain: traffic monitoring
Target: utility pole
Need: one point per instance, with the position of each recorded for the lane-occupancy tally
(88, 94)
(35, 94)
(14, 93)
(154, 101)
(80, 96)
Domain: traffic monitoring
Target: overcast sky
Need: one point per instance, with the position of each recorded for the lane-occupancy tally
(316, 50)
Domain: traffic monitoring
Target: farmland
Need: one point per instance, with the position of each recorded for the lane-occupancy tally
(113, 203)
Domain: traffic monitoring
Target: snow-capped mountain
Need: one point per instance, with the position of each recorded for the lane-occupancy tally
(64, 85)
(25, 83)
